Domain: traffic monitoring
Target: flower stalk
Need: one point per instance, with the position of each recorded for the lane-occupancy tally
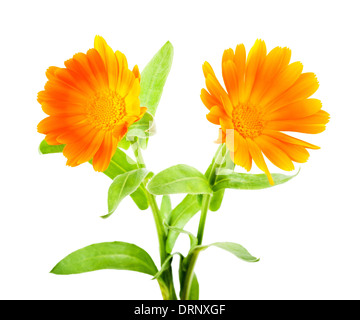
(166, 281)
(219, 158)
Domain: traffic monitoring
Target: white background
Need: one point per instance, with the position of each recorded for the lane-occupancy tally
(306, 232)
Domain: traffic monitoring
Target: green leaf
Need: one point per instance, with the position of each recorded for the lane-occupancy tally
(220, 161)
(193, 239)
(124, 144)
(179, 179)
(194, 290)
(180, 216)
(164, 267)
(216, 200)
(166, 264)
(122, 186)
(143, 128)
(154, 76)
(234, 248)
(247, 181)
(107, 255)
(217, 162)
(45, 148)
(120, 163)
(165, 208)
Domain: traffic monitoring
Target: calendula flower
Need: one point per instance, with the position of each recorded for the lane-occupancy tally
(91, 103)
(264, 95)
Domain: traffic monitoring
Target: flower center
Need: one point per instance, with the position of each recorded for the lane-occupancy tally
(106, 109)
(248, 120)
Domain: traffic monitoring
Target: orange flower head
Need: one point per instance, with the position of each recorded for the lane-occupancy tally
(264, 95)
(91, 103)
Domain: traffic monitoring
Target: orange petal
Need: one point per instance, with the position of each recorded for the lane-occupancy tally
(78, 69)
(59, 92)
(305, 86)
(312, 124)
(255, 59)
(215, 114)
(226, 123)
(207, 69)
(228, 55)
(214, 87)
(108, 57)
(136, 72)
(62, 108)
(296, 127)
(275, 62)
(83, 151)
(275, 154)
(283, 81)
(74, 150)
(231, 81)
(53, 123)
(288, 139)
(74, 133)
(126, 83)
(120, 130)
(208, 100)
(240, 62)
(296, 153)
(242, 156)
(75, 81)
(97, 67)
(51, 139)
(123, 66)
(102, 157)
(299, 109)
(92, 147)
(256, 154)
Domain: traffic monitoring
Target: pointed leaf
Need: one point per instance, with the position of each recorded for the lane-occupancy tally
(247, 181)
(121, 163)
(154, 76)
(195, 289)
(107, 255)
(220, 161)
(122, 186)
(165, 208)
(234, 248)
(193, 239)
(179, 179)
(164, 267)
(237, 250)
(180, 216)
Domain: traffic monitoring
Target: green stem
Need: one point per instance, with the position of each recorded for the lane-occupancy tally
(204, 210)
(193, 256)
(138, 155)
(159, 225)
(166, 281)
